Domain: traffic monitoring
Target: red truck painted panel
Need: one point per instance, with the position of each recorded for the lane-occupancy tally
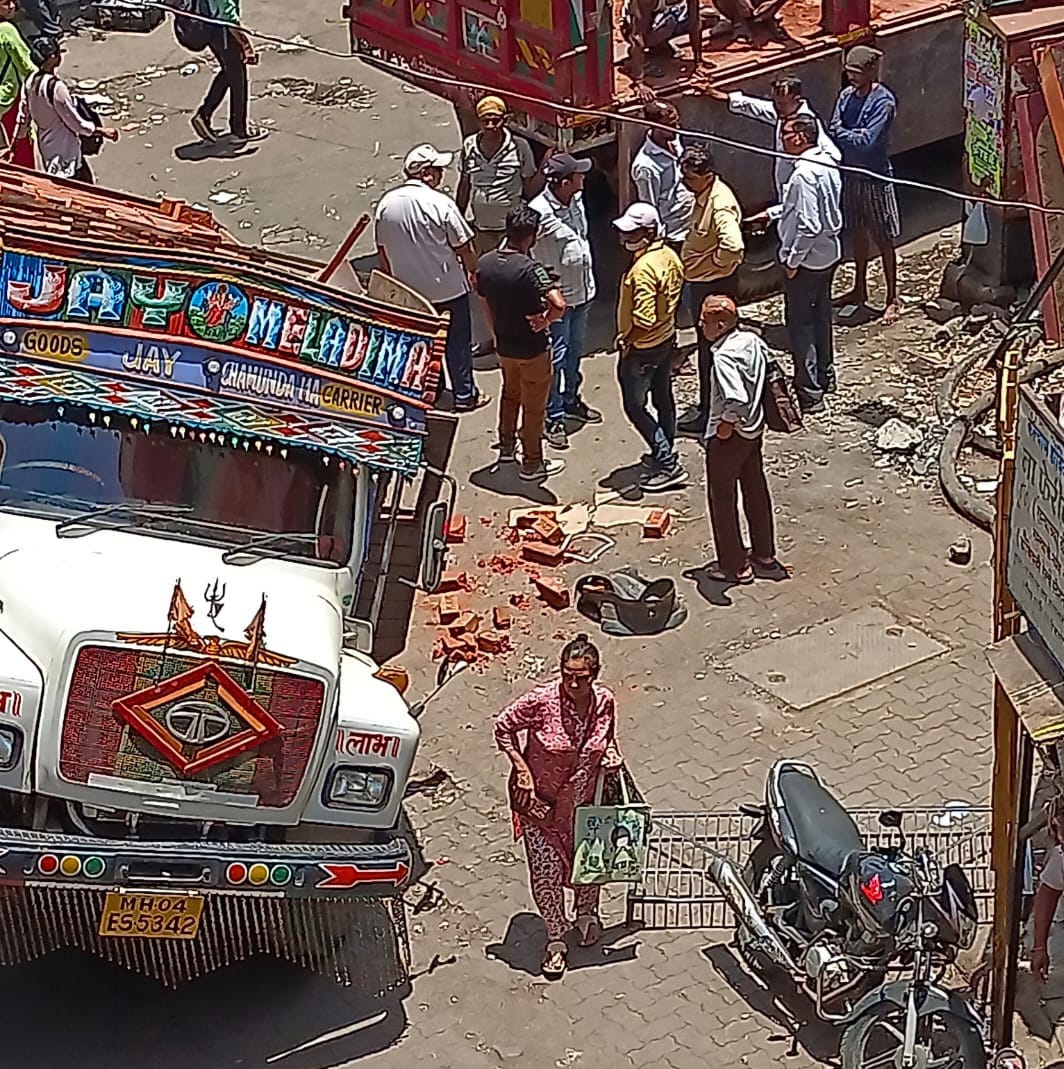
(556, 51)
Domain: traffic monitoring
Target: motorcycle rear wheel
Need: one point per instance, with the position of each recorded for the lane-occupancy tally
(945, 1041)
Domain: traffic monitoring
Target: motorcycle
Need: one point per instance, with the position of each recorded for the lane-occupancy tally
(866, 932)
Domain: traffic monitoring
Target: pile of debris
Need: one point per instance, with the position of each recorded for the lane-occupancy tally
(474, 624)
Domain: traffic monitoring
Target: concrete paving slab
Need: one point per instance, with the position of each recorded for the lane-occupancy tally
(835, 657)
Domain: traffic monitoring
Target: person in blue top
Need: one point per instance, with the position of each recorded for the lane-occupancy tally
(860, 126)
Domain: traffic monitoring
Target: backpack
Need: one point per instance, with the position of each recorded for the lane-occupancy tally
(782, 413)
(91, 144)
(192, 34)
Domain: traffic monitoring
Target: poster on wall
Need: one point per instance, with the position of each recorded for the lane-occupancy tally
(984, 107)
(1035, 570)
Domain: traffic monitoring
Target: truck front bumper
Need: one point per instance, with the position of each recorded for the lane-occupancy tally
(333, 908)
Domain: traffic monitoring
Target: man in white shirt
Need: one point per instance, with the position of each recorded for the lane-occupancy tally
(656, 173)
(563, 247)
(497, 171)
(734, 431)
(787, 101)
(810, 221)
(423, 241)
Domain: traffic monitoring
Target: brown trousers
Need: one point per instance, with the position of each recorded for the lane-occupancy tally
(731, 463)
(525, 388)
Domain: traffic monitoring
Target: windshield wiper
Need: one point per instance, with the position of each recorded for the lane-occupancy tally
(258, 548)
(73, 526)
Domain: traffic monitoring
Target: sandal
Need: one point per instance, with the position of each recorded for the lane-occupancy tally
(718, 575)
(554, 962)
(770, 569)
(589, 928)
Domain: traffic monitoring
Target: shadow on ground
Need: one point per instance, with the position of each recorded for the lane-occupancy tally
(525, 942)
(791, 1011)
(256, 1013)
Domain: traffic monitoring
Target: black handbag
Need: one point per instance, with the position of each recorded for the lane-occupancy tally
(624, 603)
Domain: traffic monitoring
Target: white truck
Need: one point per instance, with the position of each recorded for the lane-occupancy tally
(199, 760)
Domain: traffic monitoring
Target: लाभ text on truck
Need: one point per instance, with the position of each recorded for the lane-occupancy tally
(203, 452)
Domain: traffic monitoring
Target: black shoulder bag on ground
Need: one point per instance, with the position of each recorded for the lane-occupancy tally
(782, 413)
(92, 143)
(192, 33)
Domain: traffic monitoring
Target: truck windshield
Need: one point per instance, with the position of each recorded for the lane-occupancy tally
(64, 465)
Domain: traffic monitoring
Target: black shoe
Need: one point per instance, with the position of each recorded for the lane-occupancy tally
(657, 482)
(811, 408)
(554, 433)
(203, 128)
(479, 401)
(579, 411)
(832, 386)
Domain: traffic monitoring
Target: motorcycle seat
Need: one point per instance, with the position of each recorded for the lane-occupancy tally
(823, 832)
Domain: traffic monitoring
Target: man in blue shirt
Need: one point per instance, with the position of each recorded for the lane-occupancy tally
(860, 126)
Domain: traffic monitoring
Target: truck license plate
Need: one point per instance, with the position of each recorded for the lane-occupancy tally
(150, 916)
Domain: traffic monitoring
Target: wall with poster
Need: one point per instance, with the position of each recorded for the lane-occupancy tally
(984, 107)
(1035, 568)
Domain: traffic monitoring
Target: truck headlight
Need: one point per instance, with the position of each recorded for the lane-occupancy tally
(10, 747)
(358, 788)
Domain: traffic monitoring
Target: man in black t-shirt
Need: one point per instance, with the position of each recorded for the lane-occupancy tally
(522, 301)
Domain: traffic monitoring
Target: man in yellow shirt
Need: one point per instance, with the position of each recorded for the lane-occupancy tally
(646, 342)
(711, 254)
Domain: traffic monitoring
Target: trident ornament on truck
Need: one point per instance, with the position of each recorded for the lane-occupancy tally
(202, 454)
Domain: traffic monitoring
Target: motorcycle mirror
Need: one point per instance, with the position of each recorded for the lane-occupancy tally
(890, 818)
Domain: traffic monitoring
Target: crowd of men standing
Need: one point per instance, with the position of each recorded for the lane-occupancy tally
(528, 259)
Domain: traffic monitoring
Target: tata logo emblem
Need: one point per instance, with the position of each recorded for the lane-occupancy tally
(197, 723)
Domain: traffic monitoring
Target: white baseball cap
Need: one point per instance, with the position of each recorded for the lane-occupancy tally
(638, 217)
(422, 156)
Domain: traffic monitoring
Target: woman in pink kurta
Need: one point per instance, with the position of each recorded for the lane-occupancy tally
(570, 728)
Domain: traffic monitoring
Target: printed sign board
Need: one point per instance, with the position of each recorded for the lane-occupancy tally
(984, 106)
(1035, 570)
(318, 367)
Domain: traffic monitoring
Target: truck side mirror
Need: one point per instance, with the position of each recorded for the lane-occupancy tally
(434, 545)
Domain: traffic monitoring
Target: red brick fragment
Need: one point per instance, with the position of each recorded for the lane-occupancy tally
(657, 523)
(542, 553)
(468, 622)
(492, 642)
(554, 594)
(451, 582)
(528, 520)
(456, 529)
(450, 647)
(546, 529)
(521, 602)
(448, 609)
(500, 617)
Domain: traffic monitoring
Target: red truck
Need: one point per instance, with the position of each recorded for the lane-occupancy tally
(568, 52)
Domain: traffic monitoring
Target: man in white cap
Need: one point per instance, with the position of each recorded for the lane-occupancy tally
(646, 342)
(423, 241)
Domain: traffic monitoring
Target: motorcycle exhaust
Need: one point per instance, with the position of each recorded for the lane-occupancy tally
(737, 894)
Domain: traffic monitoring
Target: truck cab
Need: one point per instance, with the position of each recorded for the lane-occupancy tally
(199, 760)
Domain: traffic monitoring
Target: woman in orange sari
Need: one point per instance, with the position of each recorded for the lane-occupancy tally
(570, 729)
(16, 66)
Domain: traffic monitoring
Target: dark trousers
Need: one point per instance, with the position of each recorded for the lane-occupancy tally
(643, 374)
(232, 78)
(44, 15)
(459, 352)
(697, 292)
(731, 463)
(807, 309)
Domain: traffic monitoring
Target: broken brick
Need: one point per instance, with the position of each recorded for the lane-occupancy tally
(468, 622)
(546, 529)
(492, 642)
(657, 523)
(500, 617)
(554, 594)
(456, 529)
(542, 553)
(448, 609)
(450, 647)
(521, 602)
(451, 582)
(529, 519)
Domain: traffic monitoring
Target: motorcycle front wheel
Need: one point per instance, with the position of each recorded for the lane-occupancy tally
(943, 1041)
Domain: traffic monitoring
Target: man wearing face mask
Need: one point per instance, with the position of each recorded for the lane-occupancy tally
(646, 343)
(425, 243)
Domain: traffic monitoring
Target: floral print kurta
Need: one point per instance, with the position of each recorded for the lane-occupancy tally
(563, 752)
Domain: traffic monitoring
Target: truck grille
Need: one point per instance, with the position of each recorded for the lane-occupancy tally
(193, 719)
